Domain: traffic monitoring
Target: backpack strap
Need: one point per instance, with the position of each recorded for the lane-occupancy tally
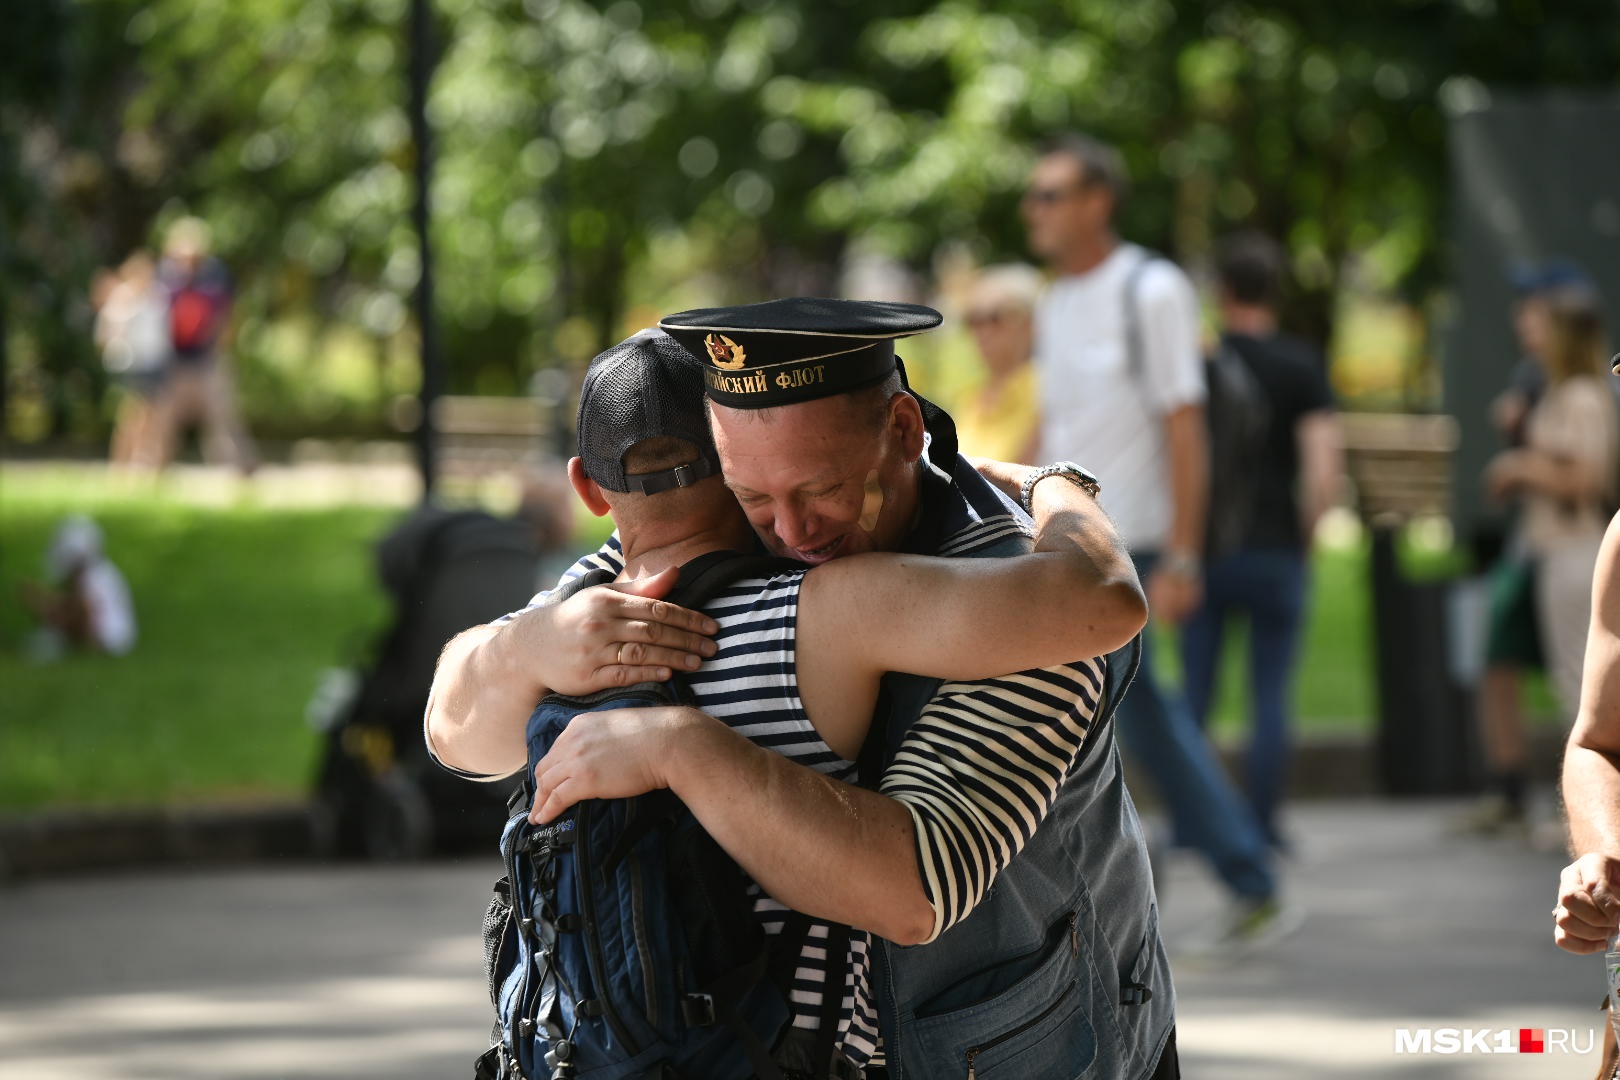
(717, 1003)
(785, 950)
(832, 997)
(874, 750)
(1133, 316)
(706, 576)
(585, 581)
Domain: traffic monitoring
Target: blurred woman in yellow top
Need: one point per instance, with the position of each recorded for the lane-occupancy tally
(1566, 476)
(1001, 419)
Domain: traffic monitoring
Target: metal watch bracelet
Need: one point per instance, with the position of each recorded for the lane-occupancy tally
(1074, 474)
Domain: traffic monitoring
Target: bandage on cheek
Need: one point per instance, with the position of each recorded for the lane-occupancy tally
(872, 504)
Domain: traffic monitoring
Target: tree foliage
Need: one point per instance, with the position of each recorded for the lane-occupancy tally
(595, 160)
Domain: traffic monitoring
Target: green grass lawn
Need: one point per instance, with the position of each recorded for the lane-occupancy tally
(1335, 689)
(239, 610)
(241, 606)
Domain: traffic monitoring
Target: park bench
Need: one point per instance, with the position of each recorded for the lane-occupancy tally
(1400, 465)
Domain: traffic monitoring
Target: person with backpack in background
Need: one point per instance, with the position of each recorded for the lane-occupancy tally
(1565, 477)
(825, 446)
(201, 390)
(1122, 385)
(1284, 451)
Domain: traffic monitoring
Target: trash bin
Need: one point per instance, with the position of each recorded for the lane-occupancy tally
(1428, 742)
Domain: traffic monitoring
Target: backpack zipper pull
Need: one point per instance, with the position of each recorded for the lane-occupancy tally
(1074, 933)
(972, 1052)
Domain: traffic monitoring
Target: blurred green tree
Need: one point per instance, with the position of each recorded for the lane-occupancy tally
(599, 160)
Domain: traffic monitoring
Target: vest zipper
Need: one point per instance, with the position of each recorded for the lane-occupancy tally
(593, 946)
(974, 1051)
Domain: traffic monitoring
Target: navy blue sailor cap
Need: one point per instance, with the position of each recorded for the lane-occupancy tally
(782, 352)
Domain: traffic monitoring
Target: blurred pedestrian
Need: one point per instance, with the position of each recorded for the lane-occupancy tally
(1001, 418)
(1513, 641)
(1298, 476)
(201, 390)
(1122, 392)
(132, 330)
(1565, 478)
(85, 603)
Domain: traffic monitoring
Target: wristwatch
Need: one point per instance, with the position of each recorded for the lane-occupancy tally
(1182, 564)
(1074, 474)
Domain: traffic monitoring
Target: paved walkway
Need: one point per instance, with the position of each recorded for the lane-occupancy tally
(1406, 927)
(363, 972)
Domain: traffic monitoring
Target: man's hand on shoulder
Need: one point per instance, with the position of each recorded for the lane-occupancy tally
(614, 635)
(1588, 910)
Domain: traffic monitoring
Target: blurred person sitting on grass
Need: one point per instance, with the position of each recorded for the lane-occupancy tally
(87, 606)
(1001, 418)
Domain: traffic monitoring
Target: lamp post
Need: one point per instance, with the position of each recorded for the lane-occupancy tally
(420, 74)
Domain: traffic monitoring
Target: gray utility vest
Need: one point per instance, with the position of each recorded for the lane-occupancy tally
(1060, 972)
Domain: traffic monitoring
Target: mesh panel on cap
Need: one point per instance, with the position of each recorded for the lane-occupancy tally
(641, 388)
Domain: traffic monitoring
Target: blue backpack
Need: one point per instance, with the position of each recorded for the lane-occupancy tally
(622, 942)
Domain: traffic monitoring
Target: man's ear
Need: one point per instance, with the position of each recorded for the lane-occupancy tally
(906, 424)
(589, 492)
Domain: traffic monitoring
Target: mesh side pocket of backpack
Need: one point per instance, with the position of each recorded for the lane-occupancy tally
(500, 945)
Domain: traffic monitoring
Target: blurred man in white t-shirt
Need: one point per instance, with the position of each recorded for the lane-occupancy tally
(1122, 391)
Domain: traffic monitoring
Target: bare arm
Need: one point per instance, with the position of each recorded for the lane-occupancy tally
(1589, 907)
(1188, 441)
(490, 678)
(1320, 438)
(1571, 450)
(1515, 471)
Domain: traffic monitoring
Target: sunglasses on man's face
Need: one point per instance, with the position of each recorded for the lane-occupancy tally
(986, 317)
(1051, 196)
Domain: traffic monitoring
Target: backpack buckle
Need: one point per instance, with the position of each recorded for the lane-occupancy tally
(697, 1010)
(1135, 994)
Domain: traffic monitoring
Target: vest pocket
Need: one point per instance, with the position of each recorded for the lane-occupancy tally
(1039, 1026)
